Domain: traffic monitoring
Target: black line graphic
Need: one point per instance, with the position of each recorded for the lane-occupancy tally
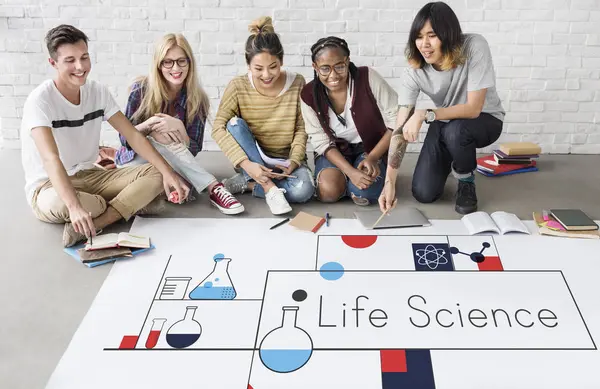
(578, 310)
(155, 293)
(79, 122)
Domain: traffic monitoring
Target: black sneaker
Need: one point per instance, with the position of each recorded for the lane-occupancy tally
(466, 198)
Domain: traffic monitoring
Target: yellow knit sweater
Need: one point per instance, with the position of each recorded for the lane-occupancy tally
(275, 122)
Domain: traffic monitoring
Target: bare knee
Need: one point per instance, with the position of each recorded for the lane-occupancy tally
(331, 185)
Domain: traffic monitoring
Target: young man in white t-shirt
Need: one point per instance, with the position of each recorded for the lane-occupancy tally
(60, 134)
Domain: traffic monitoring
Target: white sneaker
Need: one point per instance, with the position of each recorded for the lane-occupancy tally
(277, 202)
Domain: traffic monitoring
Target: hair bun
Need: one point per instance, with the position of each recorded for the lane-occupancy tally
(261, 25)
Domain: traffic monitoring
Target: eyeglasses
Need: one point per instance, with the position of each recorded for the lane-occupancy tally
(169, 63)
(340, 69)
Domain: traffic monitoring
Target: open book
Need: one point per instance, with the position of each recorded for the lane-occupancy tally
(499, 222)
(122, 239)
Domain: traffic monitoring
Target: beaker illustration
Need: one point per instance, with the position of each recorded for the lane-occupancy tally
(186, 331)
(157, 326)
(287, 348)
(174, 288)
(218, 285)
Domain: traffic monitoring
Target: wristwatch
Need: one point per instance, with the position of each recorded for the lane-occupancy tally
(429, 116)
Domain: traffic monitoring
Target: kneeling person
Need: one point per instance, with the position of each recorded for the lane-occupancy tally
(60, 134)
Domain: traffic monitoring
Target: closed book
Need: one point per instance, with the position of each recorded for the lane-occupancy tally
(502, 155)
(574, 219)
(511, 161)
(488, 163)
(520, 148)
(508, 173)
(98, 255)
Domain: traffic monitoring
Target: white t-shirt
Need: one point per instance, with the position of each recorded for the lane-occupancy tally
(76, 128)
(348, 132)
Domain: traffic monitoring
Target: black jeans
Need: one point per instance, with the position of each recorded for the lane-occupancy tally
(448, 146)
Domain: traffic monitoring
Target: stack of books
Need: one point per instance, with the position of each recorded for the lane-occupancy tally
(568, 223)
(510, 158)
(108, 248)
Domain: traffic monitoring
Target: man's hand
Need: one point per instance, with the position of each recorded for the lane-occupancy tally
(288, 170)
(387, 199)
(174, 182)
(413, 125)
(370, 167)
(360, 179)
(82, 220)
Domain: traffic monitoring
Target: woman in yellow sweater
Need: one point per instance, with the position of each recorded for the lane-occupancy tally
(259, 126)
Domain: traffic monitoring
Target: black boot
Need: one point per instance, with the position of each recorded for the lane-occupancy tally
(466, 198)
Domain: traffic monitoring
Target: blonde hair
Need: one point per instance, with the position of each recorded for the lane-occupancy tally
(263, 24)
(263, 39)
(156, 89)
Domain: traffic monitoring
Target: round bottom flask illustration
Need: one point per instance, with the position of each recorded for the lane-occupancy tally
(286, 348)
(217, 285)
(186, 331)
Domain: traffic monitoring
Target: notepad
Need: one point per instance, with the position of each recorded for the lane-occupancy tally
(307, 222)
(122, 239)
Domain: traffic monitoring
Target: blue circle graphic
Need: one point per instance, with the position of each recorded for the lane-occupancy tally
(332, 271)
(218, 257)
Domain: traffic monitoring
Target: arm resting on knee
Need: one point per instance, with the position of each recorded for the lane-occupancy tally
(46, 145)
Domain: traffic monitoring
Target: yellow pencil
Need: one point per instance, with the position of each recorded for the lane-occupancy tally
(378, 220)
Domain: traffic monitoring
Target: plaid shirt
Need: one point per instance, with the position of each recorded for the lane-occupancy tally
(195, 129)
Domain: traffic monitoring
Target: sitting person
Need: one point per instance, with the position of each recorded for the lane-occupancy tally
(349, 114)
(456, 71)
(259, 126)
(171, 108)
(60, 135)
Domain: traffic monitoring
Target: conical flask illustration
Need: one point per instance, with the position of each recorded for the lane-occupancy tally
(286, 348)
(186, 331)
(217, 285)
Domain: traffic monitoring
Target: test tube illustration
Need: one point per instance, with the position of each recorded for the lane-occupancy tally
(174, 288)
(157, 326)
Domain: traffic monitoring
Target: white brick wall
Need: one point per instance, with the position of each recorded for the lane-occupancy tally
(546, 52)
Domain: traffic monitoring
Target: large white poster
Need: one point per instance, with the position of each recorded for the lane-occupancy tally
(431, 309)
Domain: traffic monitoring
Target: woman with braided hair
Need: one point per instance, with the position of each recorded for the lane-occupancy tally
(349, 114)
(259, 126)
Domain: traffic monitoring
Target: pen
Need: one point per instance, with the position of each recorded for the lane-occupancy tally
(327, 219)
(91, 240)
(280, 223)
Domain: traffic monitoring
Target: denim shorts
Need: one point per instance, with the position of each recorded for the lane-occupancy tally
(354, 158)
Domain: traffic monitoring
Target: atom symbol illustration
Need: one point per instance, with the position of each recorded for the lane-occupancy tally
(431, 257)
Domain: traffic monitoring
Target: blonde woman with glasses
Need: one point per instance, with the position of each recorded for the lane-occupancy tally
(170, 107)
